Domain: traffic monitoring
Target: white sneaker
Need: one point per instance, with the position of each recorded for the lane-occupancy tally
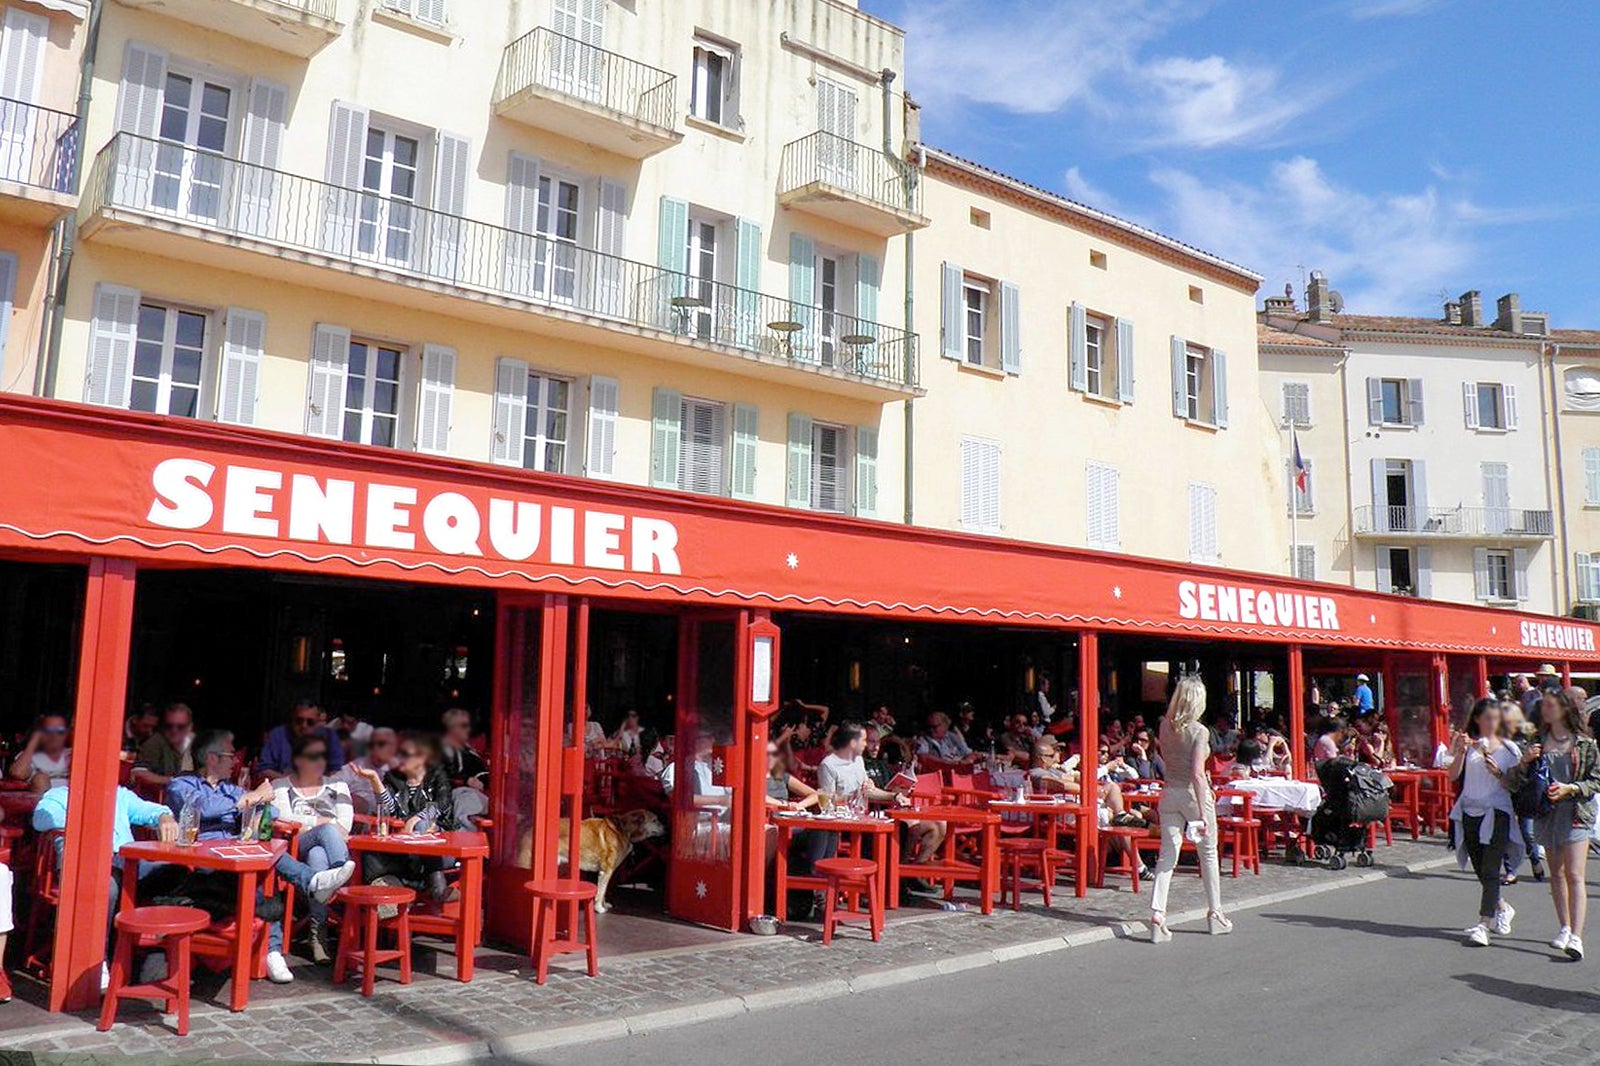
(1574, 948)
(1501, 926)
(1478, 935)
(326, 883)
(278, 969)
(1561, 939)
(153, 969)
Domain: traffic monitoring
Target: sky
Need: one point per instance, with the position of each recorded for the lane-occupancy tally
(1409, 149)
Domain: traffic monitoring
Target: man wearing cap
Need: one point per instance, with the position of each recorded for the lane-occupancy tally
(1363, 696)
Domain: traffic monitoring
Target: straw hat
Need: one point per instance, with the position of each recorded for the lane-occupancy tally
(1548, 670)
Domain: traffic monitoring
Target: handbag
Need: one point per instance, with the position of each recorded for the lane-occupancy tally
(1532, 800)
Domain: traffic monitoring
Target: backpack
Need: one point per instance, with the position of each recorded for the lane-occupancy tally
(1532, 800)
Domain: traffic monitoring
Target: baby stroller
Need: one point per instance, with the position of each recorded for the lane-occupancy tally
(1354, 796)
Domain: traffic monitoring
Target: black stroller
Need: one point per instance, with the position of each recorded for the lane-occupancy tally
(1354, 797)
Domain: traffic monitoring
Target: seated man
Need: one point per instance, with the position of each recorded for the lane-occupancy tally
(168, 752)
(45, 761)
(1016, 743)
(218, 804)
(277, 757)
(943, 743)
(469, 773)
(139, 727)
(382, 746)
(1049, 774)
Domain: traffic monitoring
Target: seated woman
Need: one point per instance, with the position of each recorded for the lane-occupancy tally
(1114, 767)
(1274, 747)
(1330, 740)
(418, 790)
(1050, 775)
(324, 809)
(1248, 761)
(1115, 738)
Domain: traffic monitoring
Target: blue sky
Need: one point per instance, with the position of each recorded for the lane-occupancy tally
(1409, 148)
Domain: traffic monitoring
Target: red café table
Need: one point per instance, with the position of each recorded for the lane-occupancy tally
(985, 873)
(1048, 816)
(249, 860)
(855, 829)
(459, 919)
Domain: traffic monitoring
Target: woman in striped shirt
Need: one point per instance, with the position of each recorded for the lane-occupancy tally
(322, 806)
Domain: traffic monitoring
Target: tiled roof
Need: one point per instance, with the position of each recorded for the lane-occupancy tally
(1584, 337)
(1272, 336)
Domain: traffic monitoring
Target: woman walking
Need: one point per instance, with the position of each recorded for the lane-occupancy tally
(1188, 807)
(1569, 753)
(1482, 817)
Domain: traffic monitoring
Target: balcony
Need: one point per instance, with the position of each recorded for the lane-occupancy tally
(170, 200)
(296, 27)
(862, 187)
(1467, 523)
(38, 156)
(560, 84)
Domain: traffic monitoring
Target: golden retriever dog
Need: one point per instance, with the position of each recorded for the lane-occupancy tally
(603, 845)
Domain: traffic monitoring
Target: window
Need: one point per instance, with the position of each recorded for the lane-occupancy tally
(1581, 384)
(701, 457)
(168, 356)
(980, 218)
(196, 113)
(706, 260)
(1498, 575)
(975, 298)
(429, 11)
(1097, 259)
(1197, 294)
(980, 485)
(1394, 401)
(1296, 404)
(1097, 370)
(387, 221)
(1305, 562)
(1490, 406)
(1591, 477)
(1203, 524)
(1586, 570)
(1397, 571)
(1104, 524)
(560, 206)
(372, 394)
(714, 92)
(547, 436)
(830, 477)
(835, 295)
(1194, 385)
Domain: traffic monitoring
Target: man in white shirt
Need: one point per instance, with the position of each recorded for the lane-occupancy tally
(843, 773)
(45, 761)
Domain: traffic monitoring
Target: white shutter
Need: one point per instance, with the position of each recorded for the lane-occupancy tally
(22, 44)
(1078, 348)
(522, 213)
(1469, 402)
(1219, 388)
(1010, 328)
(1180, 388)
(1583, 570)
(1509, 395)
(798, 481)
(1519, 573)
(1104, 519)
(1591, 477)
(1422, 572)
(261, 147)
(1374, 401)
(980, 485)
(434, 399)
(243, 346)
(666, 437)
(430, 11)
(1296, 403)
(1125, 361)
(611, 242)
(452, 165)
(952, 312)
(1414, 401)
(1418, 515)
(1385, 577)
(1202, 523)
(1480, 573)
(139, 99)
(116, 324)
(604, 395)
(866, 494)
(8, 297)
(330, 368)
(347, 142)
(510, 410)
(746, 444)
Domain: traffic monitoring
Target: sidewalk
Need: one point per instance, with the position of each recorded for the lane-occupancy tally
(438, 1020)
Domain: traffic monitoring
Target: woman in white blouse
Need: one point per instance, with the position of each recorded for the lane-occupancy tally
(323, 807)
(1483, 818)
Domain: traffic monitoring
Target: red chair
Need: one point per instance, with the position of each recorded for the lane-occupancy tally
(46, 897)
(548, 896)
(1021, 854)
(174, 928)
(852, 879)
(361, 927)
(1128, 860)
(1405, 806)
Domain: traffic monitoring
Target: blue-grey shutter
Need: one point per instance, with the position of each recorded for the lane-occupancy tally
(748, 326)
(1480, 573)
(866, 494)
(1010, 328)
(798, 490)
(1125, 360)
(510, 411)
(1380, 495)
(672, 255)
(802, 292)
(666, 437)
(1219, 387)
(746, 443)
(1385, 579)
(951, 312)
(1423, 572)
(869, 278)
(1374, 401)
(1519, 572)
(1180, 391)
(1414, 401)
(347, 147)
(1078, 348)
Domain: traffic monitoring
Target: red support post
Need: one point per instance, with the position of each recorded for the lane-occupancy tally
(103, 651)
(573, 762)
(1089, 741)
(1297, 710)
(1566, 675)
(1482, 666)
(758, 679)
(547, 776)
(1439, 676)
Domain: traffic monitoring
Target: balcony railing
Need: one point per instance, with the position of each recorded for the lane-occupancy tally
(197, 188)
(871, 174)
(548, 60)
(38, 146)
(1484, 522)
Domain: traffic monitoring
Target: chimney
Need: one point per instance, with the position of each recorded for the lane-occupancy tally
(1508, 313)
(1280, 305)
(1452, 312)
(1472, 308)
(1319, 302)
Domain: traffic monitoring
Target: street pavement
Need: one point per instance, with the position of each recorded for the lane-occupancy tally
(1370, 976)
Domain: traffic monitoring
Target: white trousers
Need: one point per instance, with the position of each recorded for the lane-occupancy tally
(1175, 816)
(5, 899)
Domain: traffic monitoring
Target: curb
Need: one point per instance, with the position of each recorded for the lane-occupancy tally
(519, 1045)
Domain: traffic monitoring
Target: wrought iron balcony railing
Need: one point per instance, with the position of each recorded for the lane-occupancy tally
(828, 159)
(1484, 522)
(241, 200)
(38, 146)
(548, 60)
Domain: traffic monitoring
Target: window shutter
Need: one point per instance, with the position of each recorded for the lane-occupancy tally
(431, 11)
(510, 411)
(1480, 573)
(1010, 328)
(1583, 570)
(522, 213)
(866, 495)
(1197, 524)
(990, 452)
(951, 312)
(1296, 403)
(1414, 400)
(980, 485)
(1509, 393)
(1078, 348)
(22, 44)
(1380, 495)
(666, 437)
(1419, 494)
(1469, 401)
(1422, 571)
(971, 490)
(240, 377)
(1385, 578)
(746, 444)
(139, 101)
(672, 247)
(798, 491)
(1125, 361)
(1519, 572)
(347, 140)
(451, 168)
(1093, 518)
(116, 325)
(8, 297)
(749, 327)
(604, 394)
(1180, 392)
(1374, 401)
(703, 446)
(869, 279)
(261, 146)
(802, 293)
(1219, 387)
(1591, 476)
(434, 398)
(330, 365)
(611, 243)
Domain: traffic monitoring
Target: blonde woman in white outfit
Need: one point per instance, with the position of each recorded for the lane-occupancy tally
(1187, 800)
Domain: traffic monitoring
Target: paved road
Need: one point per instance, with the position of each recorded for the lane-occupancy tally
(1369, 975)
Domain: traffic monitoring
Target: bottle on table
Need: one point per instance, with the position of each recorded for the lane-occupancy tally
(264, 826)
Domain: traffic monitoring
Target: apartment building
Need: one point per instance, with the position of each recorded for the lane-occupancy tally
(1089, 382)
(642, 242)
(41, 42)
(1573, 390)
(1449, 465)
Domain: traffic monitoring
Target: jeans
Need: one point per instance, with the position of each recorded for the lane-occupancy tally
(1487, 858)
(297, 874)
(1535, 850)
(1174, 819)
(323, 848)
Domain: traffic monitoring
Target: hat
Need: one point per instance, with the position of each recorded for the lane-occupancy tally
(1548, 669)
(1362, 677)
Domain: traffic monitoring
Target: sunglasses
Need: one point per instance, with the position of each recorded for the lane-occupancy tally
(409, 753)
(312, 720)
(315, 756)
(54, 730)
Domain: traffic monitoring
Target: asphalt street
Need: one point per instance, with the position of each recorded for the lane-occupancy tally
(1375, 974)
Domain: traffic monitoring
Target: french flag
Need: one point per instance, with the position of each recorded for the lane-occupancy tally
(1302, 473)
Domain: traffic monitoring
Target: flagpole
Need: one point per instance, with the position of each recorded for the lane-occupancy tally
(1294, 502)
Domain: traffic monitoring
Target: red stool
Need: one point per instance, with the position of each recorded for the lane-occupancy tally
(361, 903)
(547, 939)
(1128, 860)
(852, 878)
(1018, 854)
(174, 927)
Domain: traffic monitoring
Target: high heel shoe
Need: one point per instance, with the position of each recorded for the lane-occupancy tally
(1218, 923)
(1159, 933)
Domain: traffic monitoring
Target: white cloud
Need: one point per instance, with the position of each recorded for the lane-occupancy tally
(1079, 188)
(1205, 103)
(1383, 9)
